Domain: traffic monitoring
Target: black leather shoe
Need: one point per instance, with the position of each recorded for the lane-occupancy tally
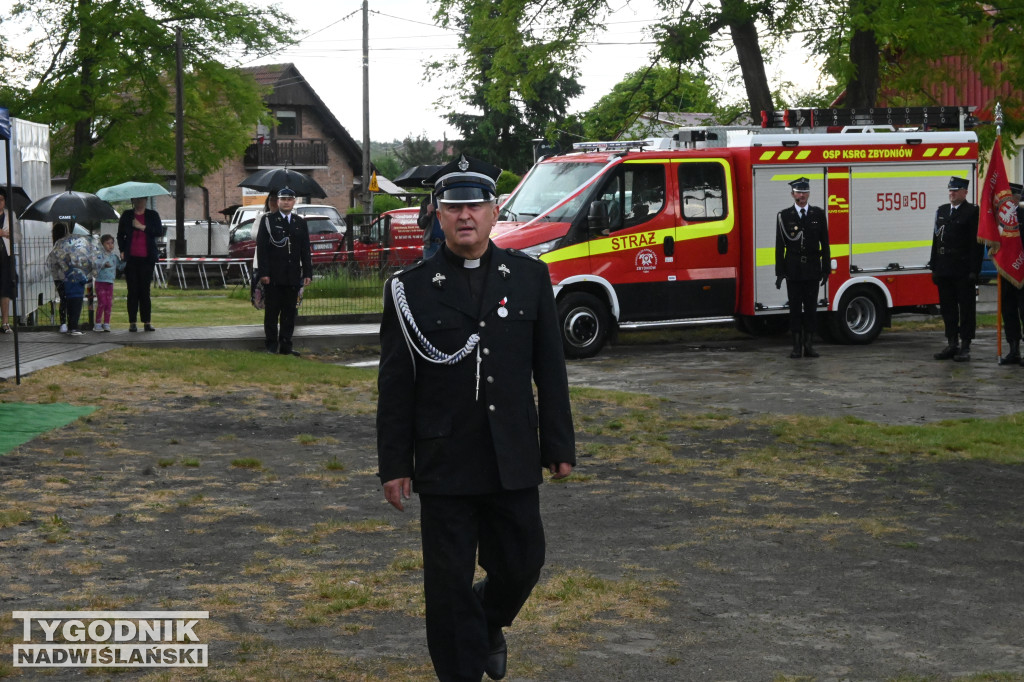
(132, 327)
(291, 352)
(496, 664)
(148, 327)
(963, 355)
(947, 353)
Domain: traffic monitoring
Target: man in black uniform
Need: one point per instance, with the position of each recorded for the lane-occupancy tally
(1013, 300)
(464, 337)
(282, 250)
(802, 258)
(955, 264)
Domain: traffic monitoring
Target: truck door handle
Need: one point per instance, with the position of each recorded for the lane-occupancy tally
(723, 244)
(670, 247)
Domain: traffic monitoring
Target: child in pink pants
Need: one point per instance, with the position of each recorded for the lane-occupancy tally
(105, 284)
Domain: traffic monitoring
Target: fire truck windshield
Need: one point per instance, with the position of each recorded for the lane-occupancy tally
(547, 185)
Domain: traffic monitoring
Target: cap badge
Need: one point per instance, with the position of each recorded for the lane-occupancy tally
(463, 164)
(505, 272)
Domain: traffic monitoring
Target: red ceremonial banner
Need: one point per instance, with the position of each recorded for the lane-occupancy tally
(998, 227)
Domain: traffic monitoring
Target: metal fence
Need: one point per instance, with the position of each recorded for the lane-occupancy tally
(348, 286)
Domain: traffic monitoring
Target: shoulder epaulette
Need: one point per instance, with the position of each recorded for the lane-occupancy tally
(409, 268)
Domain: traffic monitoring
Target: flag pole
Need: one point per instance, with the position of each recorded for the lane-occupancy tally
(999, 276)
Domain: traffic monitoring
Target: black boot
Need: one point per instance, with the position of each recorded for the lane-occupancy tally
(1013, 357)
(809, 351)
(797, 346)
(948, 352)
(964, 354)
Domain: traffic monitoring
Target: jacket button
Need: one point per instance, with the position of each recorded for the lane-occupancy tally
(487, 351)
(490, 380)
(482, 323)
(439, 323)
(491, 408)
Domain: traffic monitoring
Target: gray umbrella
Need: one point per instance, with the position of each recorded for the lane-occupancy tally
(71, 207)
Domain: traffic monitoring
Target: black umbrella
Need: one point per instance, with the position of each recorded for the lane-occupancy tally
(16, 198)
(273, 179)
(74, 207)
(414, 177)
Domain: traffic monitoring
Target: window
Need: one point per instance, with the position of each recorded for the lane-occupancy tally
(702, 191)
(634, 196)
(287, 123)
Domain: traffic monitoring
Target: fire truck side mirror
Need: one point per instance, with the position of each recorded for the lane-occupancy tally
(597, 217)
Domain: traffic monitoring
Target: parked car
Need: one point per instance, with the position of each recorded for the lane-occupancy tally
(326, 240)
(306, 210)
(243, 213)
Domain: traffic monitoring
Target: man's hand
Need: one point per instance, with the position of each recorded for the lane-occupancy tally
(265, 280)
(778, 282)
(560, 470)
(306, 281)
(397, 490)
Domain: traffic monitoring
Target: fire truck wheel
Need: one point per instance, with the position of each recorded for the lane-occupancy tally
(858, 319)
(583, 320)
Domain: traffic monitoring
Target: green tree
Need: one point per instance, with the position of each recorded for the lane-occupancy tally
(651, 89)
(687, 37)
(102, 76)
(418, 151)
(515, 77)
(387, 165)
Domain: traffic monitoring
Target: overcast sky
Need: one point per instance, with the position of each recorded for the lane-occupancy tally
(403, 37)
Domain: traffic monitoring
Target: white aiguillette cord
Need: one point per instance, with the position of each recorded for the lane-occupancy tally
(425, 349)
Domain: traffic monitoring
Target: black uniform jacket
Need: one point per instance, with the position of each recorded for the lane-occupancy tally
(288, 264)
(955, 248)
(801, 249)
(429, 416)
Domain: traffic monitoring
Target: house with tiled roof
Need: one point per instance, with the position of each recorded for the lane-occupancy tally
(306, 137)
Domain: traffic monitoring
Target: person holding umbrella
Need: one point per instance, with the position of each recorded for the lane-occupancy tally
(137, 232)
(285, 266)
(73, 260)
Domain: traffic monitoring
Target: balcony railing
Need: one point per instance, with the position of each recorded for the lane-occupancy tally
(292, 153)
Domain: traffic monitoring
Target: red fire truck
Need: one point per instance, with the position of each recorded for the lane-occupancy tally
(682, 231)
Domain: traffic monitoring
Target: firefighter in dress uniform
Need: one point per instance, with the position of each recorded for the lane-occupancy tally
(1013, 299)
(802, 258)
(286, 265)
(956, 264)
(464, 338)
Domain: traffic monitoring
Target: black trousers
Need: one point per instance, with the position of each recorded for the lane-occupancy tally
(958, 303)
(506, 528)
(74, 312)
(138, 274)
(280, 306)
(803, 304)
(1013, 310)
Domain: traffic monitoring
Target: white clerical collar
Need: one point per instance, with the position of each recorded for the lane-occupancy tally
(471, 264)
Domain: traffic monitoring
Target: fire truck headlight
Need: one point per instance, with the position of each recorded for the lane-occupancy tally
(537, 250)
